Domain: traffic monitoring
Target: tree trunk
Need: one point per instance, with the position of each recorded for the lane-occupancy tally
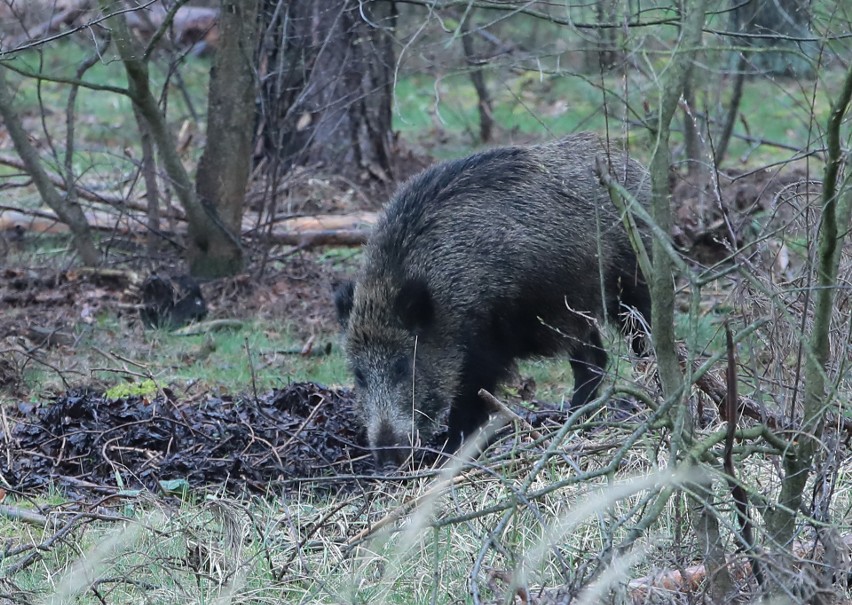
(818, 401)
(152, 189)
(327, 70)
(223, 171)
(776, 25)
(671, 87)
(213, 249)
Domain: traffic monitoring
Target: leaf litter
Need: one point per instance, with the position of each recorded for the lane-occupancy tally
(243, 444)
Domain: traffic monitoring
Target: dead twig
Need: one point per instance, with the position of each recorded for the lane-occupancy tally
(503, 409)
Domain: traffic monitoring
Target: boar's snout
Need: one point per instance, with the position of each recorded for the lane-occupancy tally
(390, 449)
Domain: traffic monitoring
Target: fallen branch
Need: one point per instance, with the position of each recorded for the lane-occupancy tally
(41, 221)
(205, 327)
(22, 514)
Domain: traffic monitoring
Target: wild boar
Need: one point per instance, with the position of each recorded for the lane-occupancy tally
(509, 253)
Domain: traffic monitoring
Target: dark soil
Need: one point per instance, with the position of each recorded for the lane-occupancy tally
(81, 440)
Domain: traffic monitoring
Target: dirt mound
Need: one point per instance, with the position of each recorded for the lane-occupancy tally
(84, 442)
(82, 439)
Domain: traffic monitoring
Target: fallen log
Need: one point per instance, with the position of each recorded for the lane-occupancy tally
(41, 221)
(327, 237)
(191, 24)
(351, 229)
(321, 222)
(65, 16)
(302, 232)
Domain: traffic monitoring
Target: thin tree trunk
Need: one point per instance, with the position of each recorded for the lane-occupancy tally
(152, 190)
(836, 210)
(662, 287)
(724, 138)
(486, 122)
(68, 211)
(695, 162)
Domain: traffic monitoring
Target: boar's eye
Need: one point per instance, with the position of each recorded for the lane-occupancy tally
(400, 369)
(360, 379)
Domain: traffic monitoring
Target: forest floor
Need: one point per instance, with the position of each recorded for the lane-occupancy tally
(198, 435)
(73, 334)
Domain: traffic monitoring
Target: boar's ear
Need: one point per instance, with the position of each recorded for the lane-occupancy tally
(414, 305)
(344, 298)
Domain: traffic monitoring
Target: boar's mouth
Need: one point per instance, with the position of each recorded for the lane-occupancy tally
(390, 450)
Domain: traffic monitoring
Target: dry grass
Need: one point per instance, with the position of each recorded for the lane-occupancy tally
(516, 522)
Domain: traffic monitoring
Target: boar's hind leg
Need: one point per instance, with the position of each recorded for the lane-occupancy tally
(588, 362)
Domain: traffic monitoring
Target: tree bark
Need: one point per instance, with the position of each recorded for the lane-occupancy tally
(152, 189)
(661, 284)
(477, 78)
(327, 72)
(224, 168)
(609, 54)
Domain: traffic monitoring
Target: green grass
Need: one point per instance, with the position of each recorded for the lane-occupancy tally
(295, 548)
(271, 353)
(525, 105)
(531, 106)
(229, 361)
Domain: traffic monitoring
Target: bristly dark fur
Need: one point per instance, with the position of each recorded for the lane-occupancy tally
(481, 261)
